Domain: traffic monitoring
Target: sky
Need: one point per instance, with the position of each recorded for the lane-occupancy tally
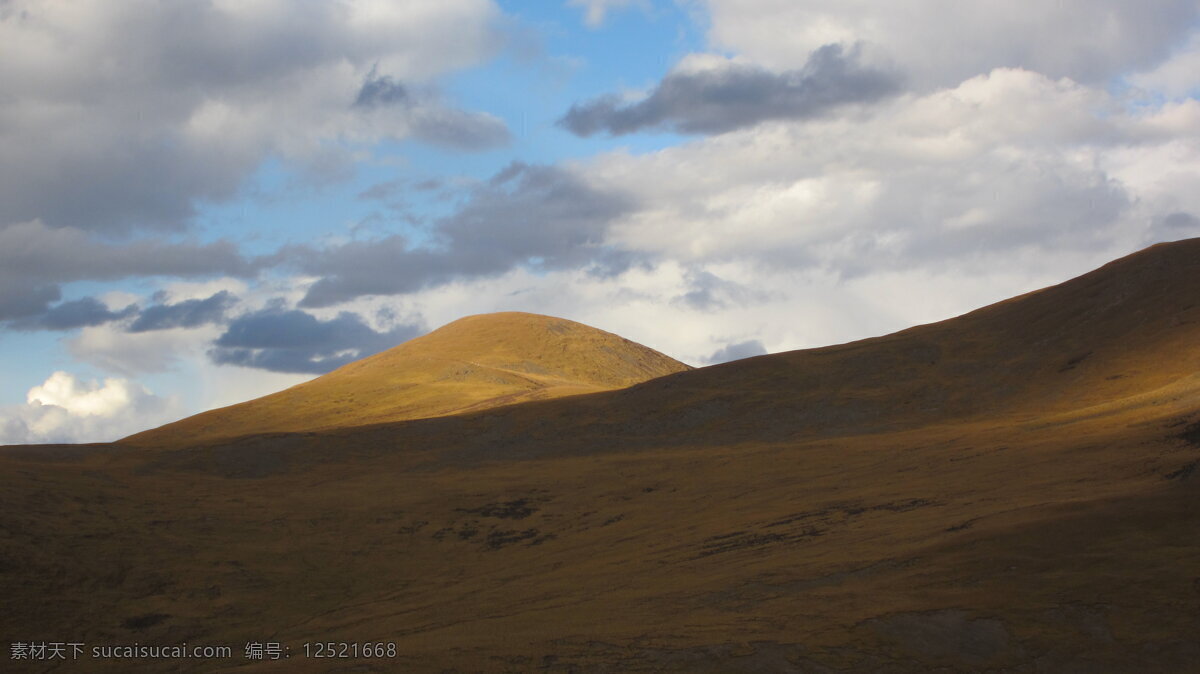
(202, 202)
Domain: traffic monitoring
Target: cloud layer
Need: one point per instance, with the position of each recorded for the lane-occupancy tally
(283, 340)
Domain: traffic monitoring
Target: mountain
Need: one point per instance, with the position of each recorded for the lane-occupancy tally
(474, 363)
(1016, 489)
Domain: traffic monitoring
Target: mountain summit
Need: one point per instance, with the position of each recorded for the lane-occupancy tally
(474, 363)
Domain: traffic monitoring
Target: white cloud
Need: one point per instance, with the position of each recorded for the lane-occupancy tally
(65, 409)
(942, 42)
(80, 399)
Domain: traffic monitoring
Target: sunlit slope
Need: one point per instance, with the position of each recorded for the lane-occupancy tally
(473, 363)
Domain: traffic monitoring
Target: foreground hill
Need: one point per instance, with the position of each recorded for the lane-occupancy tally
(1016, 489)
(474, 363)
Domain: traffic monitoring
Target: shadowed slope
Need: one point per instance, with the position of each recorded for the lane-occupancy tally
(474, 363)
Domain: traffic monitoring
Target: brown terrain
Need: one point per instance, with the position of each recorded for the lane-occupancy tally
(1013, 490)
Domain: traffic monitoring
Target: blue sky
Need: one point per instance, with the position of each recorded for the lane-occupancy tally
(208, 201)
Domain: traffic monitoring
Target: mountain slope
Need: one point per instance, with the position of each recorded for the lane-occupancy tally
(474, 363)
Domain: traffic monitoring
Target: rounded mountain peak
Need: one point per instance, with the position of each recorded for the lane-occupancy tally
(473, 363)
(529, 344)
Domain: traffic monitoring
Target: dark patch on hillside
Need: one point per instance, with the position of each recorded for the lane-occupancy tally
(518, 509)
(499, 539)
(741, 540)
(141, 622)
(1191, 434)
(1184, 471)
(1075, 361)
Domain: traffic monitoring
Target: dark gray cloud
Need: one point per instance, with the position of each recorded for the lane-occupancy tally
(185, 314)
(71, 315)
(283, 340)
(36, 252)
(35, 259)
(540, 216)
(737, 96)
(150, 183)
(746, 349)
(381, 90)
(21, 299)
(89, 311)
